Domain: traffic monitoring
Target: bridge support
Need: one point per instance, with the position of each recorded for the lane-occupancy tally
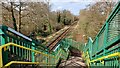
(2, 42)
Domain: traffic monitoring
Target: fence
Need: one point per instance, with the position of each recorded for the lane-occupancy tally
(16, 48)
(105, 49)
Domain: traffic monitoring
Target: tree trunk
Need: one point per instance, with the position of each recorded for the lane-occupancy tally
(19, 21)
(13, 17)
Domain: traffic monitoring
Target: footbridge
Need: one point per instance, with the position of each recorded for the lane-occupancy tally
(18, 50)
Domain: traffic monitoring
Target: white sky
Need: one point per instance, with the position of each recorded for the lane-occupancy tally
(73, 5)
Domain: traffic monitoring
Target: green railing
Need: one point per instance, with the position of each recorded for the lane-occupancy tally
(71, 43)
(41, 59)
(9, 35)
(16, 48)
(105, 49)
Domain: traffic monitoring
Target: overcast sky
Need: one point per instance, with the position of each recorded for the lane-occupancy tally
(72, 5)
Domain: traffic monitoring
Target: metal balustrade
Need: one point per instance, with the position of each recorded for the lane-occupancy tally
(105, 49)
(16, 48)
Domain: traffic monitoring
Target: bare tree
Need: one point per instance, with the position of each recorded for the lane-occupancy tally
(13, 17)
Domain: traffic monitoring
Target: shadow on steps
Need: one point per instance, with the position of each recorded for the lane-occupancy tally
(74, 61)
(75, 52)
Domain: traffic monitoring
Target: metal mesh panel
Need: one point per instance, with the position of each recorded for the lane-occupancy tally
(113, 29)
(94, 47)
(101, 40)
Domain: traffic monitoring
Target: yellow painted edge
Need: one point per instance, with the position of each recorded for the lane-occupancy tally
(111, 55)
(1, 63)
(12, 44)
(20, 62)
(9, 44)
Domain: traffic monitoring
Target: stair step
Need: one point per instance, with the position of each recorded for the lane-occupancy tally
(74, 62)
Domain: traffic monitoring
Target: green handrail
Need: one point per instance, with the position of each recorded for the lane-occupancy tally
(107, 41)
(12, 54)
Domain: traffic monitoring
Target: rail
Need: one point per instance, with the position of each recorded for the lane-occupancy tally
(16, 48)
(106, 46)
(40, 57)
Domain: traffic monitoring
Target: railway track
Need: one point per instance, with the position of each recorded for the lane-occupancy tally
(53, 45)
